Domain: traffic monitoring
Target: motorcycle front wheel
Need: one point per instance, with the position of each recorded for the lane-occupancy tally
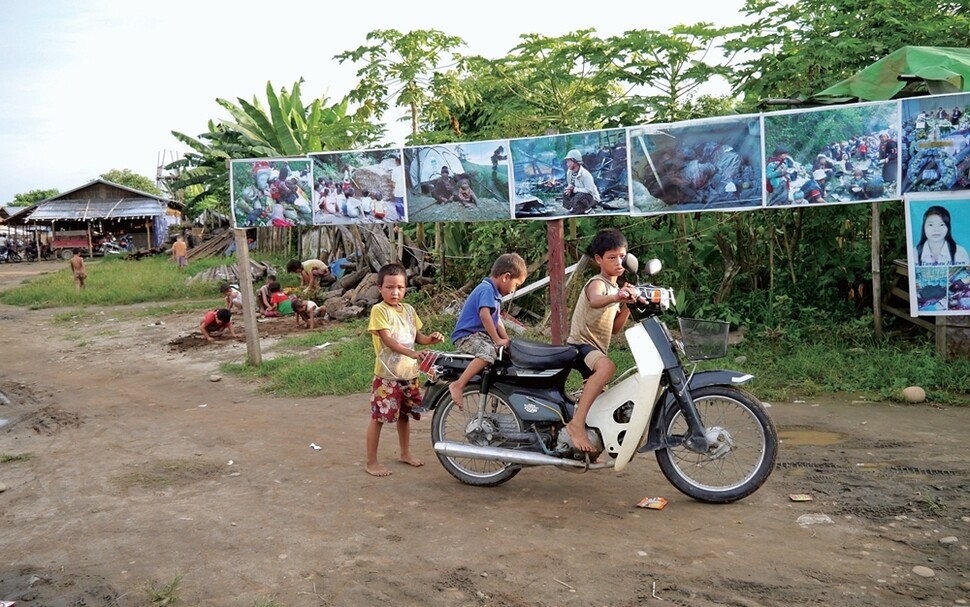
(460, 425)
(742, 448)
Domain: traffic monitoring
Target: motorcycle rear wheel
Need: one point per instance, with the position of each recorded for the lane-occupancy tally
(746, 435)
(451, 424)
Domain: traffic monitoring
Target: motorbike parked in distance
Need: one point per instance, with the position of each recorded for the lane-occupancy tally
(712, 440)
(9, 254)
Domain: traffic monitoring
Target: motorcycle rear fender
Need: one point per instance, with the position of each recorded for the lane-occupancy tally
(657, 435)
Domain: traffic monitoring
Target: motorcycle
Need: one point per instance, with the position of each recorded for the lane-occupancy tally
(9, 254)
(712, 440)
(31, 252)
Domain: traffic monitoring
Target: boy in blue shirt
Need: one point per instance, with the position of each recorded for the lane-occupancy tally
(479, 330)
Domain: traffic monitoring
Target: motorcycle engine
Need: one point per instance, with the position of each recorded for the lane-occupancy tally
(565, 447)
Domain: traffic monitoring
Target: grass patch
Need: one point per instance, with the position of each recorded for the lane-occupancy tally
(114, 281)
(6, 458)
(164, 595)
(266, 603)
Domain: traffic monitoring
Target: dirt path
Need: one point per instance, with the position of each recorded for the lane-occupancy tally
(142, 468)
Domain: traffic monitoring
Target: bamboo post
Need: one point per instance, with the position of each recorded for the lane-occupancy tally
(876, 273)
(253, 355)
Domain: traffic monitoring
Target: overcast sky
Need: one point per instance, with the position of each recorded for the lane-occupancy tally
(98, 85)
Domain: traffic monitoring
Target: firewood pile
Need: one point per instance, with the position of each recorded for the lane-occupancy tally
(365, 248)
(216, 245)
(230, 273)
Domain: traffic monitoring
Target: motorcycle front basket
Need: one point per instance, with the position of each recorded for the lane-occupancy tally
(704, 339)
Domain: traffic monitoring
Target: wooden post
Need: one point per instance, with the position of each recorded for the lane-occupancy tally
(253, 355)
(90, 243)
(439, 243)
(876, 273)
(557, 278)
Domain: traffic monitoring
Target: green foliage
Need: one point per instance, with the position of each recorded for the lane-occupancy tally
(19, 457)
(284, 127)
(28, 198)
(802, 47)
(160, 595)
(419, 70)
(132, 180)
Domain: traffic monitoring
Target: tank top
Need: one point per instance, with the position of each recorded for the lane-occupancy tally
(594, 326)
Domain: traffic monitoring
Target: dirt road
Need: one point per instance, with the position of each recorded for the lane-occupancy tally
(142, 468)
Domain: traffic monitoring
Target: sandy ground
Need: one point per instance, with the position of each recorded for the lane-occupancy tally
(142, 468)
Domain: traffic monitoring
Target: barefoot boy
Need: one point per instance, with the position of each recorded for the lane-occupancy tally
(598, 316)
(396, 329)
(479, 330)
(80, 273)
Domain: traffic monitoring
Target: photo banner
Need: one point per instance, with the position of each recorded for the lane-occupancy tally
(844, 154)
(938, 236)
(936, 144)
(712, 165)
(355, 187)
(458, 182)
(270, 192)
(571, 175)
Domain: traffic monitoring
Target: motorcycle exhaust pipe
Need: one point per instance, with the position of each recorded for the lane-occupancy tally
(513, 456)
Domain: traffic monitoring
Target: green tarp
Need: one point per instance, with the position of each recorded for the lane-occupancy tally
(927, 69)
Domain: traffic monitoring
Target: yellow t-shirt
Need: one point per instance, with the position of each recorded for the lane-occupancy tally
(403, 324)
(594, 326)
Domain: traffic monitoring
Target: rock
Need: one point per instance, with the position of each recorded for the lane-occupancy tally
(950, 539)
(914, 394)
(215, 377)
(814, 519)
(3, 399)
(2, 487)
(964, 585)
(741, 359)
(922, 571)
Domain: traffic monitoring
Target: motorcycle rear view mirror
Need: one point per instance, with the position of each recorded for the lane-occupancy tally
(630, 263)
(654, 266)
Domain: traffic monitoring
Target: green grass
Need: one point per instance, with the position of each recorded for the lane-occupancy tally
(19, 457)
(164, 595)
(115, 281)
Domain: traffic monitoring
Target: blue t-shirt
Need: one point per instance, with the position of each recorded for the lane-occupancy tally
(485, 295)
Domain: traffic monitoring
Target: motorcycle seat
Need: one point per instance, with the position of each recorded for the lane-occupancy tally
(533, 355)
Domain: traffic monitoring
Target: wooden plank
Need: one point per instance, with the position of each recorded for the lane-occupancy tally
(253, 354)
(904, 314)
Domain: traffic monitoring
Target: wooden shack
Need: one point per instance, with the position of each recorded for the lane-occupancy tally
(83, 217)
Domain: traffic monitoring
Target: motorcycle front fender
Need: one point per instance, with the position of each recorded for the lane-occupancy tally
(657, 435)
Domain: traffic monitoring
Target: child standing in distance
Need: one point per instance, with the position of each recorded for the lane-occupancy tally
(395, 328)
(479, 330)
(233, 297)
(180, 253)
(215, 322)
(80, 273)
(598, 316)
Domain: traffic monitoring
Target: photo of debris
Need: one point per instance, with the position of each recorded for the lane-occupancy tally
(699, 165)
(575, 174)
(364, 186)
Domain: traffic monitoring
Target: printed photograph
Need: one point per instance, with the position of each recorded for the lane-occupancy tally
(458, 182)
(366, 186)
(699, 165)
(271, 192)
(936, 144)
(938, 233)
(570, 175)
(834, 155)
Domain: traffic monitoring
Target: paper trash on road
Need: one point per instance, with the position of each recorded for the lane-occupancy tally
(653, 503)
(315, 446)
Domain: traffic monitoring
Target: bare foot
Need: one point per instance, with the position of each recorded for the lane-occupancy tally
(377, 470)
(578, 435)
(410, 459)
(455, 392)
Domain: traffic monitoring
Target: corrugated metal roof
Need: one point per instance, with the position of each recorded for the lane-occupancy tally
(85, 210)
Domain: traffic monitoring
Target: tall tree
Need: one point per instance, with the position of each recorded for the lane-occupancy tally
(419, 71)
(802, 47)
(26, 199)
(284, 127)
(128, 178)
